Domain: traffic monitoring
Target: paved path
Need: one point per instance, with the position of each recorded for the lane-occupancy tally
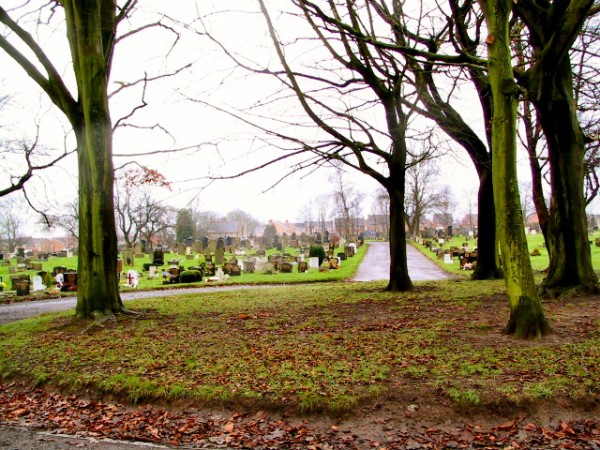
(375, 266)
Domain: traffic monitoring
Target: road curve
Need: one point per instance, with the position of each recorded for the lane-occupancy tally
(375, 266)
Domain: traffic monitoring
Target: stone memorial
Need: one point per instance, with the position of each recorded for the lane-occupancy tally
(158, 256)
(181, 249)
(128, 256)
(220, 256)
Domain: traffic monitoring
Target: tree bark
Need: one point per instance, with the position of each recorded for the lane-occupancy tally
(570, 263)
(527, 317)
(553, 28)
(90, 29)
(399, 279)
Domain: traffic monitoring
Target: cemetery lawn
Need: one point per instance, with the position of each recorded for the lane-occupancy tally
(345, 353)
(346, 271)
(535, 243)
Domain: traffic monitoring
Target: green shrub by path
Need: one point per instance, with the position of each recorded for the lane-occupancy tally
(319, 347)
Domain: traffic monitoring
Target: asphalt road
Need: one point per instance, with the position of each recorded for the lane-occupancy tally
(375, 266)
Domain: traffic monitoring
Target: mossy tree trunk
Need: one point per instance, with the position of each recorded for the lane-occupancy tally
(552, 29)
(91, 27)
(568, 245)
(527, 317)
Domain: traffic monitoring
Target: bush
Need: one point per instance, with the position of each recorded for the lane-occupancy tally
(317, 250)
(190, 276)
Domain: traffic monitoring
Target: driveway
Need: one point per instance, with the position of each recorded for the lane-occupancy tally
(375, 266)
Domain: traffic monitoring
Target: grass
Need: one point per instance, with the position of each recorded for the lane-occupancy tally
(321, 347)
(347, 269)
(534, 241)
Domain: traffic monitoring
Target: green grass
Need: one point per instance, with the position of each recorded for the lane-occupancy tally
(347, 269)
(538, 263)
(319, 347)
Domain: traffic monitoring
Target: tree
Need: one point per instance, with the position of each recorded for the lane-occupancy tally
(245, 222)
(351, 140)
(138, 211)
(204, 221)
(526, 314)
(445, 206)
(185, 226)
(349, 205)
(91, 34)
(380, 212)
(421, 179)
(68, 220)
(11, 225)
(552, 29)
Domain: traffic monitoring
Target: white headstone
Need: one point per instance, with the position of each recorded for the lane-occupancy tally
(313, 262)
(37, 283)
(448, 258)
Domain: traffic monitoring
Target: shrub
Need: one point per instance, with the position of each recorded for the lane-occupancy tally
(317, 250)
(190, 276)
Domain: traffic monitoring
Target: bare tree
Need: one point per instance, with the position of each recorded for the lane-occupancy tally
(421, 192)
(348, 201)
(245, 221)
(68, 220)
(11, 223)
(380, 212)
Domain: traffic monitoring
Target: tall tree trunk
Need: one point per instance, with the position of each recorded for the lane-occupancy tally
(526, 314)
(90, 28)
(399, 278)
(567, 238)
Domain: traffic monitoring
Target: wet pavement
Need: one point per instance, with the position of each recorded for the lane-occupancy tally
(375, 266)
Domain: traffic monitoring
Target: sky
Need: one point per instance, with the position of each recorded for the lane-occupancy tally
(219, 143)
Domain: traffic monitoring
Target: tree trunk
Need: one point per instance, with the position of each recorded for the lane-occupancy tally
(526, 314)
(90, 28)
(569, 249)
(399, 278)
(487, 267)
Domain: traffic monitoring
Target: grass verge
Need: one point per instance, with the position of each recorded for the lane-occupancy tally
(318, 348)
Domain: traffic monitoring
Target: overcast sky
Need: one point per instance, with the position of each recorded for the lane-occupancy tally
(228, 146)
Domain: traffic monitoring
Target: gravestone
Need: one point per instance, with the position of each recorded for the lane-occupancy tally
(286, 267)
(128, 257)
(249, 266)
(220, 256)
(302, 266)
(21, 252)
(313, 262)
(158, 257)
(212, 246)
(137, 249)
(38, 283)
(181, 249)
